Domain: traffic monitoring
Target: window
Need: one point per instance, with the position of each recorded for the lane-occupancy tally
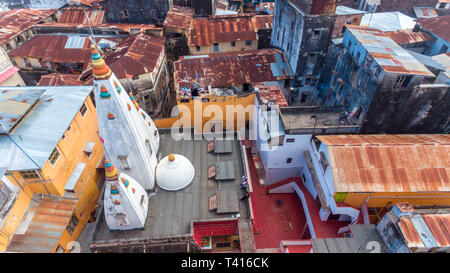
(442, 5)
(233, 44)
(303, 98)
(216, 47)
(83, 110)
(5, 193)
(323, 161)
(316, 34)
(312, 58)
(54, 157)
(27, 62)
(358, 54)
(29, 174)
(292, 25)
(444, 49)
(69, 128)
(198, 48)
(402, 81)
(290, 140)
(123, 159)
(135, 77)
(289, 160)
(72, 224)
(219, 245)
(248, 42)
(125, 13)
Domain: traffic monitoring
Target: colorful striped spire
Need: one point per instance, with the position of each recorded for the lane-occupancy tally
(99, 68)
(118, 89)
(133, 100)
(125, 182)
(111, 172)
(104, 94)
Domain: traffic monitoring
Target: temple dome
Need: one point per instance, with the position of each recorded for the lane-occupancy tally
(174, 172)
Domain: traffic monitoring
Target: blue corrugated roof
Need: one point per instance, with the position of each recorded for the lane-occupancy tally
(33, 139)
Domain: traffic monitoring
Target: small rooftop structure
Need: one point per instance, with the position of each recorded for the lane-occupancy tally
(58, 79)
(344, 10)
(219, 29)
(14, 22)
(266, 6)
(30, 143)
(391, 57)
(389, 163)
(425, 12)
(271, 94)
(388, 21)
(179, 17)
(439, 26)
(231, 69)
(406, 229)
(262, 21)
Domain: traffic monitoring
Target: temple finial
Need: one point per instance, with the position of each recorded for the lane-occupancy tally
(100, 70)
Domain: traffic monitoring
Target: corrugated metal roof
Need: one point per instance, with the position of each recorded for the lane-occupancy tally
(78, 16)
(387, 53)
(404, 37)
(51, 218)
(388, 21)
(439, 26)
(389, 163)
(14, 104)
(425, 12)
(221, 29)
(33, 139)
(14, 22)
(179, 17)
(232, 68)
(57, 79)
(262, 21)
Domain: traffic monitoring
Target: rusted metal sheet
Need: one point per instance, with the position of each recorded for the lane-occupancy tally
(404, 37)
(14, 22)
(219, 29)
(78, 16)
(323, 6)
(51, 218)
(263, 21)
(271, 94)
(389, 163)
(440, 26)
(231, 69)
(135, 55)
(179, 17)
(439, 225)
(58, 79)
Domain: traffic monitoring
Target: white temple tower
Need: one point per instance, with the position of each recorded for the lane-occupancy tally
(131, 139)
(125, 201)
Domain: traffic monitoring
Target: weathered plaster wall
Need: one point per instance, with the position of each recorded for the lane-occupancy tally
(135, 11)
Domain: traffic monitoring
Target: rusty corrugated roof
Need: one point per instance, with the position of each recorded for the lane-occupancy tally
(389, 163)
(232, 68)
(439, 26)
(179, 17)
(51, 218)
(78, 16)
(220, 29)
(403, 37)
(58, 48)
(14, 22)
(58, 79)
(263, 21)
(271, 93)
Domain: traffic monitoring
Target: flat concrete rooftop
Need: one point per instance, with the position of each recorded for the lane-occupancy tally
(310, 117)
(171, 213)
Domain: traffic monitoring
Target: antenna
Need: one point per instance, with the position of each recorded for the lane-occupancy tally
(91, 37)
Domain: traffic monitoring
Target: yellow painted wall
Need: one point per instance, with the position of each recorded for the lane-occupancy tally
(71, 148)
(224, 47)
(381, 199)
(201, 110)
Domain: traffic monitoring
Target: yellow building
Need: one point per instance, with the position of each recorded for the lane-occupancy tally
(52, 164)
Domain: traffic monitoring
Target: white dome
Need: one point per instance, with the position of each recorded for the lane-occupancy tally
(174, 172)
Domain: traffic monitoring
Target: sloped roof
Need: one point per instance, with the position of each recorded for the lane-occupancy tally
(179, 17)
(78, 16)
(14, 22)
(389, 163)
(137, 54)
(221, 29)
(232, 68)
(403, 37)
(262, 21)
(31, 142)
(388, 21)
(440, 26)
